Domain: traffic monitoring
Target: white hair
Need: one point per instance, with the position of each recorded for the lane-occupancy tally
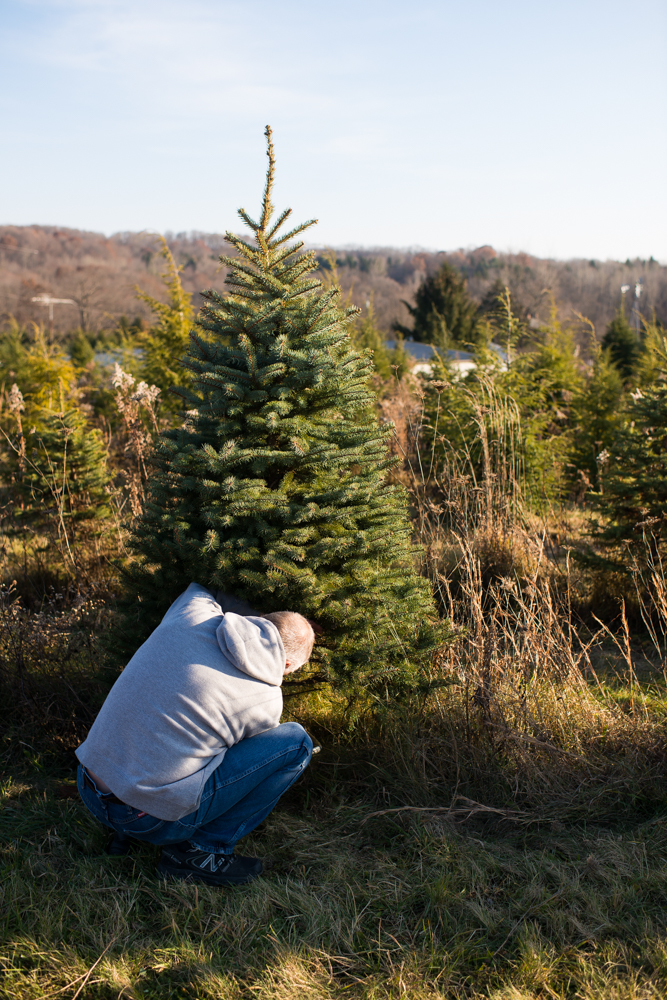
(296, 633)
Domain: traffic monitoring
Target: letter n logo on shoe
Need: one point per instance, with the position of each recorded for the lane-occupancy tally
(209, 863)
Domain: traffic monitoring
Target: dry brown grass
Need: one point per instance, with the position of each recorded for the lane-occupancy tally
(500, 837)
(533, 711)
(51, 684)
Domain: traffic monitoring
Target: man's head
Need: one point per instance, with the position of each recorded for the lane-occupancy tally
(297, 636)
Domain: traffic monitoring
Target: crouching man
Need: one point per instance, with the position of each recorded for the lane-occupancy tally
(187, 751)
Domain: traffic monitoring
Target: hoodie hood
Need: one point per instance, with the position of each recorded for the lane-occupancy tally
(254, 646)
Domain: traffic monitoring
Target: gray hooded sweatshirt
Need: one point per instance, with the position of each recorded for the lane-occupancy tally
(200, 683)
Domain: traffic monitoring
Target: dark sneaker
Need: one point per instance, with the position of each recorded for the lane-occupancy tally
(192, 865)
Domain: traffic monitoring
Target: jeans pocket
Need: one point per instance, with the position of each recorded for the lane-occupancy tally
(133, 822)
(93, 804)
(143, 827)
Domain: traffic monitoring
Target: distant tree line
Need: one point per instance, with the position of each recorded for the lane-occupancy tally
(99, 275)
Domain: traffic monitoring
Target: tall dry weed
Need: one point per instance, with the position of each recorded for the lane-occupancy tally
(137, 406)
(533, 711)
(50, 683)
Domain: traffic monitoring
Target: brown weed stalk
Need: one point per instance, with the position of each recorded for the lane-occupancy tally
(523, 715)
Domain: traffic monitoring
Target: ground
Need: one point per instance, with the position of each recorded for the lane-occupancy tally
(396, 905)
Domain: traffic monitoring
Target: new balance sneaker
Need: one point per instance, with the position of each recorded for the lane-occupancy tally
(182, 861)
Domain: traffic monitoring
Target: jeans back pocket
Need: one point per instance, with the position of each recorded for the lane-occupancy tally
(133, 822)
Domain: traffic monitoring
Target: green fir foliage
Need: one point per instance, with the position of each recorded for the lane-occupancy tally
(444, 313)
(633, 495)
(165, 343)
(623, 345)
(597, 413)
(368, 337)
(58, 475)
(81, 350)
(653, 359)
(509, 421)
(278, 488)
(44, 374)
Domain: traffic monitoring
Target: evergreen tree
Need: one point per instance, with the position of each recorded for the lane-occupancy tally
(623, 345)
(494, 305)
(81, 351)
(165, 343)
(443, 313)
(368, 337)
(390, 363)
(523, 409)
(57, 476)
(277, 489)
(597, 414)
(492, 299)
(634, 477)
(44, 374)
(653, 359)
(502, 319)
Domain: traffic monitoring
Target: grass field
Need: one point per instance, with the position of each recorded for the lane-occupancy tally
(419, 904)
(505, 839)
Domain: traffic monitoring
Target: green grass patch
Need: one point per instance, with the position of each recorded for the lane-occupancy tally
(409, 905)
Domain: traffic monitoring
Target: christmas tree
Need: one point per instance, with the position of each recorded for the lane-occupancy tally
(623, 345)
(57, 477)
(597, 414)
(277, 489)
(633, 493)
(443, 313)
(164, 344)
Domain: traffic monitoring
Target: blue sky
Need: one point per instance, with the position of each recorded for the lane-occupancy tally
(529, 125)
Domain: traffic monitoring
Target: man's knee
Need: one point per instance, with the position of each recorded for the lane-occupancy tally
(296, 736)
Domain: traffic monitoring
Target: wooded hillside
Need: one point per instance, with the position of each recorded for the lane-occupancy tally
(100, 274)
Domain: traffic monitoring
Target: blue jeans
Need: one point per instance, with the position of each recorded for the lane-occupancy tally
(239, 794)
